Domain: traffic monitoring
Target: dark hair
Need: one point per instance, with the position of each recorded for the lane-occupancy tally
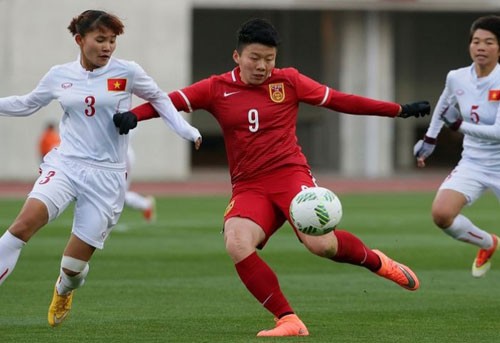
(489, 23)
(257, 31)
(93, 19)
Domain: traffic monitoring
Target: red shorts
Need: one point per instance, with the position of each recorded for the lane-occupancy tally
(266, 200)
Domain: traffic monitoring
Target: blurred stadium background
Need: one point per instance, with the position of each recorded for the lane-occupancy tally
(386, 49)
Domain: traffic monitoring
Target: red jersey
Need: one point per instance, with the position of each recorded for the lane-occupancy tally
(259, 122)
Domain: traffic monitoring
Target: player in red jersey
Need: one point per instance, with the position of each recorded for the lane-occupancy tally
(256, 106)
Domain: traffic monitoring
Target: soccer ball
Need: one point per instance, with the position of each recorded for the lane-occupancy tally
(315, 211)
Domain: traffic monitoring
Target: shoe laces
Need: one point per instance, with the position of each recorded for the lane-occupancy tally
(485, 254)
(393, 270)
(62, 302)
(288, 325)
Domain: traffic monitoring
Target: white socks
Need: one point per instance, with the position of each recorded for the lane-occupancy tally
(463, 230)
(68, 283)
(10, 249)
(137, 201)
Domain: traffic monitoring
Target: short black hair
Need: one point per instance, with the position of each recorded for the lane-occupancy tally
(257, 30)
(91, 20)
(489, 23)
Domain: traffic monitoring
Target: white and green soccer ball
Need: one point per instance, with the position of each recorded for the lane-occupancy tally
(315, 211)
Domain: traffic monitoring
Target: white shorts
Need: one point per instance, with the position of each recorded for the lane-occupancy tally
(471, 181)
(98, 192)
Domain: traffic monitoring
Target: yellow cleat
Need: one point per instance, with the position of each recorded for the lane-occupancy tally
(397, 272)
(59, 308)
(289, 325)
(482, 261)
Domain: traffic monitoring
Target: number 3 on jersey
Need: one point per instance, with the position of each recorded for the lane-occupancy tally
(90, 110)
(253, 119)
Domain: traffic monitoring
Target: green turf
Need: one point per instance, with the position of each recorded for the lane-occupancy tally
(173, 282)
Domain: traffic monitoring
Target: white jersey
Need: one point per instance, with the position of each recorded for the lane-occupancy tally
(477, 100)
(89, 101)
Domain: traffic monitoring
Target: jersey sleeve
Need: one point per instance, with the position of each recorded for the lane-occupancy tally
(25, 105)
(314, 93)
(446, 102)
(145, 88)
(194, 97)
(488, 132)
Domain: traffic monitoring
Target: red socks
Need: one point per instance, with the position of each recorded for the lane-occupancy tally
(352, 250)
(262, 282)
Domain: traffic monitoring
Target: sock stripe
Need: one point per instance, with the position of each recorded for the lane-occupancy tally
(4, 273)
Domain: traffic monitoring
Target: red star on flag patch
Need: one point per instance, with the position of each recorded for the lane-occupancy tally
(494, 95)
(117, 85)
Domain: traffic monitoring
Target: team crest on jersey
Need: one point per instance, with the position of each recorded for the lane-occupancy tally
(117, 85)
(494, 95)
(277, 92)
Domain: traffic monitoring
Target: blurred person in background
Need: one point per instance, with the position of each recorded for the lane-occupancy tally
(89, 166)
(48, 139)
(256, 106)
(145, 204)
(469, 104)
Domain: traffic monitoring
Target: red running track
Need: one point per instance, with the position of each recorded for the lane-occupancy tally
(217, 183)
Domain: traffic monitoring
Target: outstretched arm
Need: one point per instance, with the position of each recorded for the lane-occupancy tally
(25, 105)
(355, 104)
(145, 111)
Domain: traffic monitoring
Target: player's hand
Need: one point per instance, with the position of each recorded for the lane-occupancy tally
(197, 143)
(415, 109)
(423, 149)
(125, 122)
(451, 118)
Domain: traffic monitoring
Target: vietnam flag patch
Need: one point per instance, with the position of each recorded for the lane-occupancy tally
(117, 85)
(494, 95)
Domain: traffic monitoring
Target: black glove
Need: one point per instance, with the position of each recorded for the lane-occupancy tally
(125, 121)
(415, 109)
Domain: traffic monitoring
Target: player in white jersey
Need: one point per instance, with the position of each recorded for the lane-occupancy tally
(88, 167)
(470, 104)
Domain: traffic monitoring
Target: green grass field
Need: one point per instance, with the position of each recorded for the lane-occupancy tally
(173, 282)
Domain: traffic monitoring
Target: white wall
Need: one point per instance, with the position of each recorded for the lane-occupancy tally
(34, 36)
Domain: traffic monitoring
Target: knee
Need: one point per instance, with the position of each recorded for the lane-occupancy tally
(237, 245)
(32, 217)
(25, 227)
(321, 246)
(442, 217)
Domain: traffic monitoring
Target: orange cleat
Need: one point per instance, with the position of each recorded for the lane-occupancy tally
(289, 325)
(149, 214)
(482, 261)
(397, 272)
